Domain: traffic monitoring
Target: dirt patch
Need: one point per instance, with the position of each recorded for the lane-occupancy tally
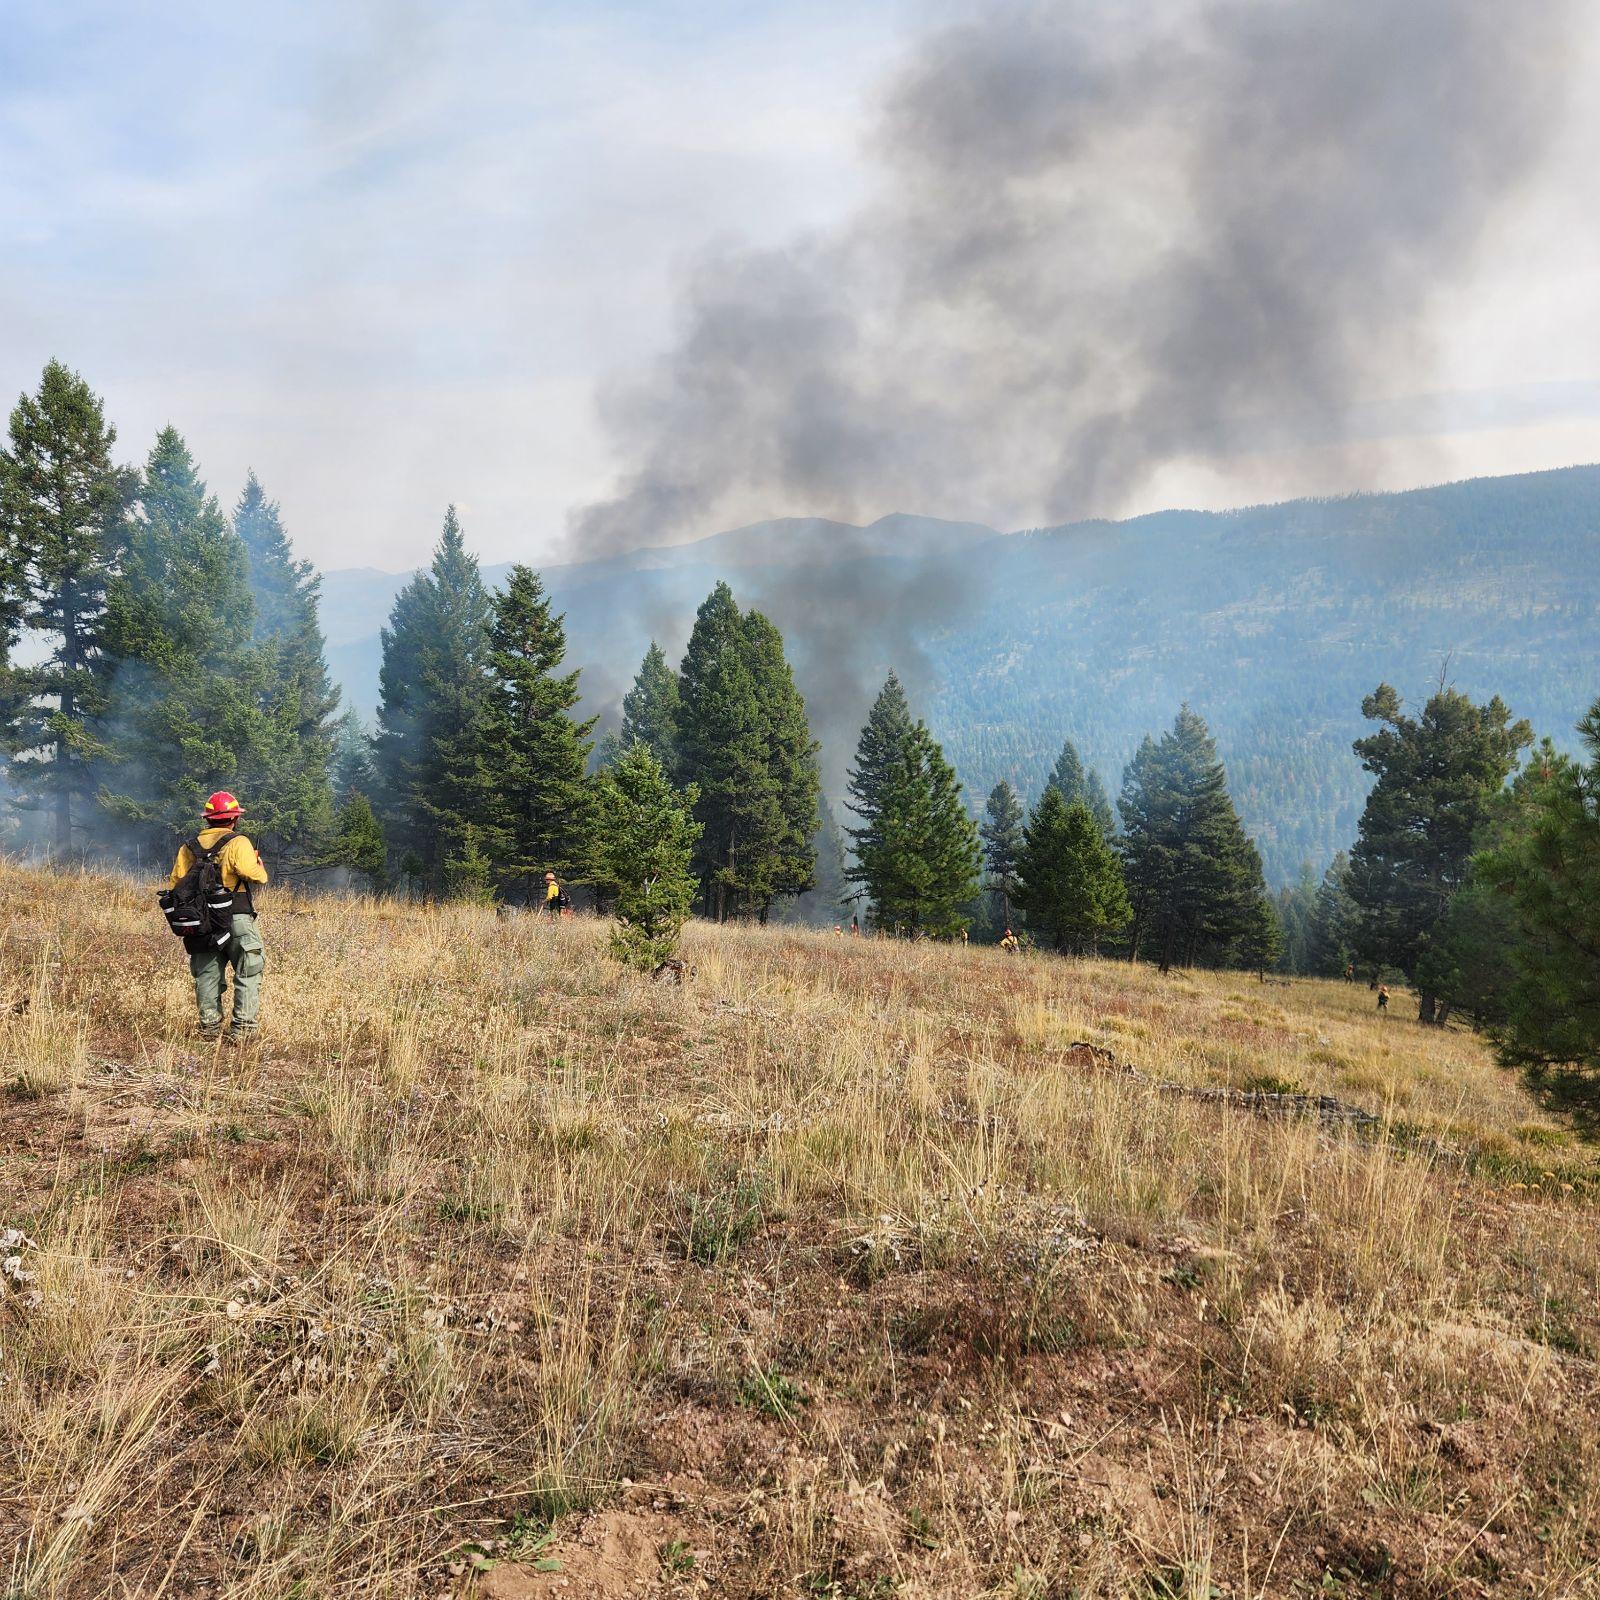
(611, 1555)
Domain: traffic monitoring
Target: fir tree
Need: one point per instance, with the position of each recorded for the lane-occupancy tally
(182, 715)
(1437, 778)
(1536, 952)
(1073, 781)
(1001, 833)
(63, 503)
(917, 851)
(788, 863)
(1193, 877)
(742, 741)
(644, 847)
(882, 741)
(1296, 906)
(358, 843)
(537, 750)
(355, 771)
(650, 709)
(1070, 880)
(1331, 936)
(1099, 804)
(1259, 947)
(290, 782)
(439, 797)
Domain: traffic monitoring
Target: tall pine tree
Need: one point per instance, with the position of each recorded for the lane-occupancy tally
(63, 503)
(1001, 834)
(744, 744)
(182, 713)
(1296, 907)
(1331, 935)
(650, 709)
(1070, 880)
(1073, 781)
(290, 781)
(440, 803)
(789, 864)
(1437, 779)
(888, 726)
(537, 750)
(1543, 872)
(1194, 879)
(916, 850)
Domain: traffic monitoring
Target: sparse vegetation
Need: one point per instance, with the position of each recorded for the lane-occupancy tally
(838, 1271)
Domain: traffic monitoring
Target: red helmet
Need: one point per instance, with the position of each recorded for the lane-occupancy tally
(223, 807)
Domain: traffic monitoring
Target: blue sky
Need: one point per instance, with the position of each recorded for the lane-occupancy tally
(387, 253)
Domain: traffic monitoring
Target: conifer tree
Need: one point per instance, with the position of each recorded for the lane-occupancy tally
(1070, 880)
(1295, 906)
(358, 842)
(1193, 876)
(182, 713)
(289, 782)
(789, 863)
(917, 853)
(439, 797)
(354, 768)
(1542, 870)
(63, 503)
(1259, 947)
(650, 709)
(1437, 779)
(13, 601)
(536, 749)
(1001, 834)
(644, 848)
(1099, 804)
(882, 741)
(1331, 936)
(831, 892)
(1073, 781)
(743, 742)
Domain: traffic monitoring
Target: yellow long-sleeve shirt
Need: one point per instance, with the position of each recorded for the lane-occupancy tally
(239, 860)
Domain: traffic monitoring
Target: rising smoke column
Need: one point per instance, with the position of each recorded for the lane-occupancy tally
(1107, 238)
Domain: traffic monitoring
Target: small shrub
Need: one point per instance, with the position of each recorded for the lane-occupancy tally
(773, 1394)
(713, 1226)
(677, 1559)
(1270, 1083)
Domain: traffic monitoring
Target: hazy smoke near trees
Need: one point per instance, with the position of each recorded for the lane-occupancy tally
(1105, 239)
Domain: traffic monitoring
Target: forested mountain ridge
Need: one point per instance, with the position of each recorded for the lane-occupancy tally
(1271, 621)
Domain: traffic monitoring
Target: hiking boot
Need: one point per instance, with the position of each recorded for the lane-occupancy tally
(210, 1031)
(238, 1037)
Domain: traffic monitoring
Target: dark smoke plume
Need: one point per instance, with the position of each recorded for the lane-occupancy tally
(1108, 238)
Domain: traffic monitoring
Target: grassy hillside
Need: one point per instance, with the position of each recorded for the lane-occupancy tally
(844, 1270)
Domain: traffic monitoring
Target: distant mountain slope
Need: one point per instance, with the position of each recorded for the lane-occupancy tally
(1272, 621)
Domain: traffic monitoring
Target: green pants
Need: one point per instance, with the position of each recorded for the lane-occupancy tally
(244, 953)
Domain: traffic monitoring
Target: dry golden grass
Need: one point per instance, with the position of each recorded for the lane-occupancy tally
(835, 1272)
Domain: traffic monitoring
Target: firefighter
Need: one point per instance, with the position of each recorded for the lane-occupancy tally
(1009, 941)
(1383, 997)
(241, 867)
(557, 903)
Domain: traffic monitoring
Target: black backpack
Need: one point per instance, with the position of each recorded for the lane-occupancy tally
(199, 909)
